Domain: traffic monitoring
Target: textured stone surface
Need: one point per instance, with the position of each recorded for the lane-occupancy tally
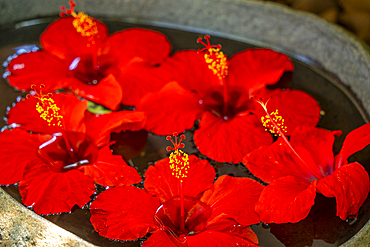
(270, 25)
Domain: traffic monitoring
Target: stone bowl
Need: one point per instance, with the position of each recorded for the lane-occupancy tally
(302, 36)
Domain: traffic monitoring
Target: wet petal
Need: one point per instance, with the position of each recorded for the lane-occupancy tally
(288, 199)
(172, 109)
(51, 192)
(63, 41)
(37, 68)
(232, 227)
(111, 170)
(107, 92)
(115, 213)
(355, 141)
(217, 239)
(17, 151)
(234, 198)
(231, 140)
(160, 182)
(349, 185)
(256, 68)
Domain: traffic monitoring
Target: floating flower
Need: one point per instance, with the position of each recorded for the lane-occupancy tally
(57, 168)
(180, 210)
(209, 87)
(298, 169)
(79, 55)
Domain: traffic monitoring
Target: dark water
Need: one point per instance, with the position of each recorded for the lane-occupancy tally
(340, 108)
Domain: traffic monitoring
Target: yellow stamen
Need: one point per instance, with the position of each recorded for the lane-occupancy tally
(217, 62)
(279, 121)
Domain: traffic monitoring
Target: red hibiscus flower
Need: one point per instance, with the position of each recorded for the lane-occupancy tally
(299, 169)
(58, 168)
(93, 64)
(229, 126)
(214, 214)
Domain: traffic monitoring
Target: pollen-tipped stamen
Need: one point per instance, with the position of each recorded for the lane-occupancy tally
(179, 164)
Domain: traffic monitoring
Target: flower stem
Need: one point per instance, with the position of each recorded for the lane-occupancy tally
(226, 96)
(182, 216)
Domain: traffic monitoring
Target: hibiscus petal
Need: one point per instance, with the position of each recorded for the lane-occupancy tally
(37, 68)
(355, 141)
(111, 170)
(107, 92)
(234, 198)
(231, 140)
(256, 68)
(278, 160)
(160, 182)
(113, 122)
(319, 143)
(189, 69)
(172, 109)
(18, 150)
(124, 213)
(296, 107)
(349, 185)
(63, 41)
(158, 239)
(138, 79)
(51, 192)
(288, 199)
(149, 46)
(71, 108)
(217, 239)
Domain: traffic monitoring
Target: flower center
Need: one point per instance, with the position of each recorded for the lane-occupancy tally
(68, 150)
(83, 69)
(214, 102)
(168, 218)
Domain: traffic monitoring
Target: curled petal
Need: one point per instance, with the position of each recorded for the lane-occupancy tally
(124, 213)
(288, 199)
(107, 92)
(349, 185)
(230, 140)
(256, 68)
(111, 170)
(160, 182)
(172, 109)
(113, 122)
(51, 192)
(355, 141)
(234, 198)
